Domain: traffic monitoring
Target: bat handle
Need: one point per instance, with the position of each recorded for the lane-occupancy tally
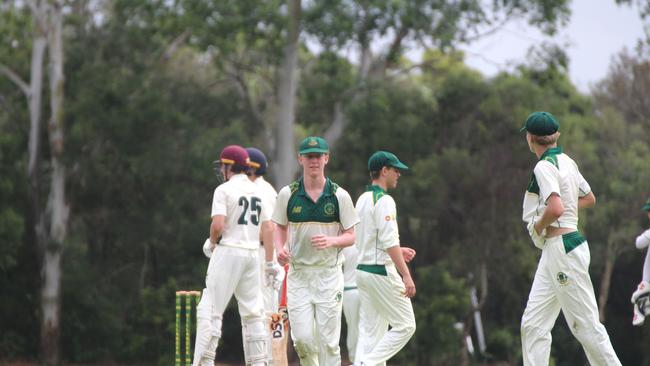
(283, 298)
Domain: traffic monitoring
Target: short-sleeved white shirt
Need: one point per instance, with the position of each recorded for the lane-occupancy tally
(330, 215)
(268, 192)
(555, 172)
(377, 230)
(241, 201)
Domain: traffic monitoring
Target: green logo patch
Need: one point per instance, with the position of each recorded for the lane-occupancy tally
(339, 296)
(562, 278)
(329, 209)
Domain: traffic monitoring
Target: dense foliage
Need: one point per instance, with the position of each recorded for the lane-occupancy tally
(144, 121)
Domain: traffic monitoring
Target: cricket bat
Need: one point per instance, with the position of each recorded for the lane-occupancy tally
(280, 328)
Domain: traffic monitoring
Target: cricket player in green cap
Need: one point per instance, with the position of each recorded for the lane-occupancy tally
(554, 194)
(384, 294)
(315, 220)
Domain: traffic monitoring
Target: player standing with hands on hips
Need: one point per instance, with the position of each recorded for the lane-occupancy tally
(315, 218)
(384, 295)
(640, 296)
(239, 218)
(555, 193)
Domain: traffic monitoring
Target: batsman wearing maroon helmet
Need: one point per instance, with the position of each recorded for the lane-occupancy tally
(239, 219)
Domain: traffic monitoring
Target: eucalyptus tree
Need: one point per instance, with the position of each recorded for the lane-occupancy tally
(51, 215)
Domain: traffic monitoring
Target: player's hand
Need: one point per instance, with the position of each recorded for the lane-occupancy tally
(273, 274)
(208, 247)
(321, 241)
(284, 257)
(538, 239)
(409, 286)
(408, 254)
(642, 289)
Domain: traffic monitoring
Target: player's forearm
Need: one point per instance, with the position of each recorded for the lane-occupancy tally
(267, 239)
(553, 211)
(587, 201)
(395, 254)
(345, 239)
(280, 236)
(216, 228)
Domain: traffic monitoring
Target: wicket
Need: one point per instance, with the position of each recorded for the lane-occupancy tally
(185, 300)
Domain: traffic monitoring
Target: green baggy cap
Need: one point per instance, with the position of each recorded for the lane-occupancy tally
(541, 124)
(381, 159)
(314, 144)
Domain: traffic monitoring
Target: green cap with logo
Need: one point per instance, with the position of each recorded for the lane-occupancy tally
(314, 144)
(646, 207)
(381, 159)
(541, 124)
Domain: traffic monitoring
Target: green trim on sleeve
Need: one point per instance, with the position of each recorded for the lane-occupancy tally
(533, 187)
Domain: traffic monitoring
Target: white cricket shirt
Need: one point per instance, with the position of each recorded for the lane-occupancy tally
(377, 231)
(555, 172)
(241, 201)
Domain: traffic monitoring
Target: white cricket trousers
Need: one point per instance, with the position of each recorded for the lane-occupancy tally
(351, 313)
(382, 303)
(236, 271)
(562, 282)
(314, 301)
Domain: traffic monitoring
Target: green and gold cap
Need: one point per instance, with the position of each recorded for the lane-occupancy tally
(381, 159)
(541, 124)
(314, 144)
(646, 207)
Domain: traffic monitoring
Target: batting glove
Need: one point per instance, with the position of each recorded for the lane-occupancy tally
(274, 274)
(208, 248)
(642, 289)
(538, 239)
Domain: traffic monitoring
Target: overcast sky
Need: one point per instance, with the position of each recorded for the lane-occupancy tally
(598, 30)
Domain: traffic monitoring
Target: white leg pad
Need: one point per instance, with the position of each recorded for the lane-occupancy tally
(257, 341)
(208, 332)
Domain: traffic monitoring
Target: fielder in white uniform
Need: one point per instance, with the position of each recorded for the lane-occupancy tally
(640, 296)
(554, 194)
(239, 217)
(315, 219)
(351, 299)
(384, 295)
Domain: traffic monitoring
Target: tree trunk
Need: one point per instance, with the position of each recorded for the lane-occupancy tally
(606, 280)
(58, 208)
(285, 161)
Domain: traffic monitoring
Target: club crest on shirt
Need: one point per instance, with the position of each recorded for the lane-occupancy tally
(296, 209)
(328, 209)
(339, 296)
(562, 278)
